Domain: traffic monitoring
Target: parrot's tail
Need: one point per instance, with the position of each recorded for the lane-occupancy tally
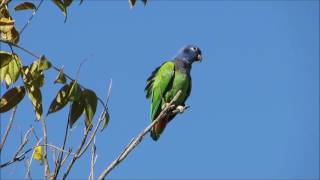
(158, 128)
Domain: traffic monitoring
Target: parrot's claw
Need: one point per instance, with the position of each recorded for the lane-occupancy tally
(165, 105)
(180, 109)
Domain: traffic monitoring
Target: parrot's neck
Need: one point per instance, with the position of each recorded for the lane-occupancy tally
(182, 65)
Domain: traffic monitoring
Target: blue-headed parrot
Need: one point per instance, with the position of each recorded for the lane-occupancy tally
(164, 83)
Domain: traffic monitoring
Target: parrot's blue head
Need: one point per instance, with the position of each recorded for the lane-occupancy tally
(190, 54)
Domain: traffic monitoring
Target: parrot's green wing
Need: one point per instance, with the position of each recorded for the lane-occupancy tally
(158, 84)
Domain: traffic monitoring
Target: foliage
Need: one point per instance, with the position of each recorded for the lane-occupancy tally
(82, 100)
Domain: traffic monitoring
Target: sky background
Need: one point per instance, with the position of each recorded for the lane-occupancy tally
(255, 99)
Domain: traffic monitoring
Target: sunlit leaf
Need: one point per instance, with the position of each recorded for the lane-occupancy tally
(11, 36)
(10, 67)
(74, 92)
(91, 101)
(61, 78)
(5, 58)
(35, 97)
(77, 108)
(25, 6)
(43, 63)
(62, 7)
(4, 12)
(106, 119)
(11, 98)
(40, 65)
(13, 70)
(3, 72)
(38, 153)
(6, 24)
(60, 100)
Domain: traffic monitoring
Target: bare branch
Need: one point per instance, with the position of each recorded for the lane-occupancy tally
(60, 157)
(17, 156)
(9, 126)
(93, 159)
(136, 141)
(28, 173)
(45, 152)
(31, 17)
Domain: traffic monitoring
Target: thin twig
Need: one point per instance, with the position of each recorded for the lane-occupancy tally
(45, 152)
(28, 173)
(66, 157)
(93, 159)
(17, 156)
(82, 148)
(60, 157)
(31, 17)
(9, 126)
(139, 138)
(75, 157)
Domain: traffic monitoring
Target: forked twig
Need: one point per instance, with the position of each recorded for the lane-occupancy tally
(136, 141)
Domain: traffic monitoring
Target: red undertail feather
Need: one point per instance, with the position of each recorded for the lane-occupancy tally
(159, 127)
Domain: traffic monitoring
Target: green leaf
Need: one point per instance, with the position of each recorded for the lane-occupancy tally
(11, 98)
(90, 108)
(3, 72)
(60, 100)
(43, 63)
(6, 24)
(32, 78)
(106, 119)
(35, 97)
(10, 72)
(62, 7)
(77, 108)
(13, 70)
(12, 35)
(40, 65)
(25, 6)
(4, 12)
(61, 78)
(74, 92)
(5, 58)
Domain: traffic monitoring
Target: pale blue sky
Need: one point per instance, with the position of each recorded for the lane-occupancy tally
(255, 98)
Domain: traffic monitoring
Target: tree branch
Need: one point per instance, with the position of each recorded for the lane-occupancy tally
(136, 141)
(82, 148)
(17, 156)
(45, 152)
(31, 17)
(9, 126)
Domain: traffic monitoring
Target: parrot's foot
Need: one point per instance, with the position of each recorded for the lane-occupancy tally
(165, 105)
(180, 109)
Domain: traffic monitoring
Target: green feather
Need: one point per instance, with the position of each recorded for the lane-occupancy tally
(163, 84)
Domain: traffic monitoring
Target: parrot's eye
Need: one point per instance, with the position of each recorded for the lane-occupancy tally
(194, 49)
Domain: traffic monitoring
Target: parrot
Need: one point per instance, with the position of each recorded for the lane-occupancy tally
(165, 82)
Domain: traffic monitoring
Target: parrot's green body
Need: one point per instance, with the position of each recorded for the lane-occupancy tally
(163, 84)
(166, 81)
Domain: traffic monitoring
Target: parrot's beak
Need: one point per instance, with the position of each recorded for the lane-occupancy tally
(199, 57)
